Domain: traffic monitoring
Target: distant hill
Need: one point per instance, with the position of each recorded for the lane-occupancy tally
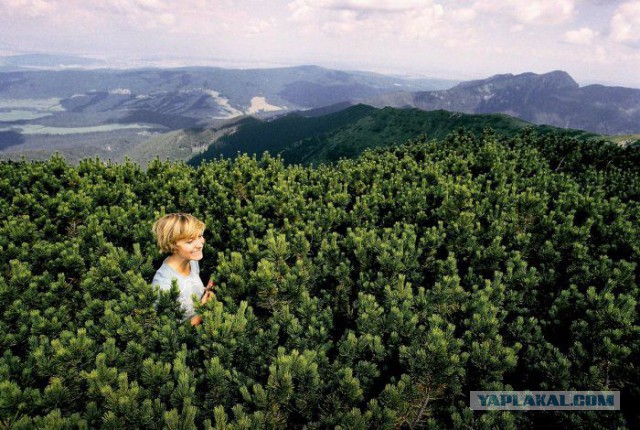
(183, 144)
(205, 92)
(627, 140)
(140, 113)
(552, 98)
(46, 61)
(112, 111)
(347, 133)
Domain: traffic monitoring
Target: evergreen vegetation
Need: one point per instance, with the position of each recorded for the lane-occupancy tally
(376, 293)
(314, 140)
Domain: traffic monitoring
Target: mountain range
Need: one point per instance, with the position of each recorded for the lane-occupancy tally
(203, 93)
(552, 98)
(110, 113)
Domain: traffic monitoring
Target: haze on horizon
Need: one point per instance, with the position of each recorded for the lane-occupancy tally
(596, 41)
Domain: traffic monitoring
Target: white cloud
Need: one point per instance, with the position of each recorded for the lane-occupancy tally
(145, 14)
(151, 4)
(167, 19)
(406, 19)
(583, 36)
(463, 15)
(259, 26)
(29, 8)
(425, 24)
(305, 9)
(625, 23)
(542, 12)
(369, 5)
(591, 37)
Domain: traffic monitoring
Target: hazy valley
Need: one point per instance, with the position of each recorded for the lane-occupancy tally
(109, 112)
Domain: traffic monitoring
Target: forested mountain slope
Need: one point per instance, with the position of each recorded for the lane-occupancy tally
(314, 139)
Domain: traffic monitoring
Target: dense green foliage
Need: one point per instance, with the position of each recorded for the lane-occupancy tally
(301, 139)
(375, 293)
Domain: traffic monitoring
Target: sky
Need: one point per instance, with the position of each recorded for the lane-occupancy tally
(596, 41)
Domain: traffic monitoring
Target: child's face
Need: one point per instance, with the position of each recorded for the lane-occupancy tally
(190, 249)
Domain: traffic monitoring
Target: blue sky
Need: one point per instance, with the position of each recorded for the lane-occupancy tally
(593, 40)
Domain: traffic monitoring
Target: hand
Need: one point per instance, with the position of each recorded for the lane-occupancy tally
(208, 292)
(196, 320)
(206, 296)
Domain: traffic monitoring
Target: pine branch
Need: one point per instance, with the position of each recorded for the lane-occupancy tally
(421, 411)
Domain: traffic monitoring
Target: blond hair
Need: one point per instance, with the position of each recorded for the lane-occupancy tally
(171, 228)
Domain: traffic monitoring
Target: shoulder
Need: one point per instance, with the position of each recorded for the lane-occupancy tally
(163, 277)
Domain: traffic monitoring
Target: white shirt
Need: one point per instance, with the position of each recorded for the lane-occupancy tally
(191, 284)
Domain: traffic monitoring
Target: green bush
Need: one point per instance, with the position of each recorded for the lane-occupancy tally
(373, 293)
